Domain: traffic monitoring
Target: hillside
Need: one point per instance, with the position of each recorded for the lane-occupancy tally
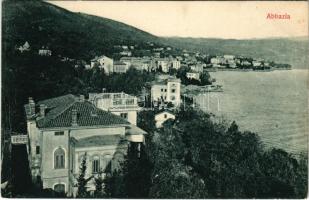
(78, 35)
(66, 33)
(293, 51)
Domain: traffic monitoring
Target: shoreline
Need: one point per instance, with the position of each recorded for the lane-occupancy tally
(247, 70)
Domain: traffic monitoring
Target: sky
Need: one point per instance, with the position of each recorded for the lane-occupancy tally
(227, 19)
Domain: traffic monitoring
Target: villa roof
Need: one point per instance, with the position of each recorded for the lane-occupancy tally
(58, 113)
(134, 130)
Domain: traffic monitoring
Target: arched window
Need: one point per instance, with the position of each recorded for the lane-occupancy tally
(59, 159)
(59, 188)
(95, 164)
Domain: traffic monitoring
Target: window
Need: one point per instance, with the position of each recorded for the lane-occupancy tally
(95, 165)
(59, 188)
(124, 115)
(173, 90)
(165, 116)
(37, 149)
(165, 90)
(59, 133)
(161, 90)
(59, 158)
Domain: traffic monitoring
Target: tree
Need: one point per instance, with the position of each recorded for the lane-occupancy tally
(82, 181)
(99, 181)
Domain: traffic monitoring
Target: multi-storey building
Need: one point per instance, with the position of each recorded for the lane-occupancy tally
(141, 64)
(166, 91)
(120, 104)
(120, 67)
(103, 62)
(65, 130)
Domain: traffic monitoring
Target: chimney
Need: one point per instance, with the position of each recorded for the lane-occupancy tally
(74, 117)
(42, 110)
(31, 106)
(81, 98)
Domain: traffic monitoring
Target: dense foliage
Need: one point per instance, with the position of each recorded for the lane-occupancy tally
(205, 78)
(207, 158)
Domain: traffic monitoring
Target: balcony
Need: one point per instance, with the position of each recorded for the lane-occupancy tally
(116, 101)
(19, 139)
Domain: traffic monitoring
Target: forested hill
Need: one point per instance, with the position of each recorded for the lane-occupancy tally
(293, 51)
(74, 35)
(83, 36)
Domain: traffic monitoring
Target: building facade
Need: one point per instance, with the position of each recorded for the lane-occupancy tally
(120, 67)
(64, 130)
(103, 62)
(166, 91)
(120, 104)
(193, 75)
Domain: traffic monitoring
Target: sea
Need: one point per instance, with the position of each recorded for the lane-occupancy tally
(272, 104)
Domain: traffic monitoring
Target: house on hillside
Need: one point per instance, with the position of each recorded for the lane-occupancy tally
(165, 91)
(126, 53)
(197, 67)
(63, 131)
(44, 51)
(103, 62)
(162, 117)
(24, 47)
(139, 63)
(175, 64)
(193, 75)
(163, 64)
(120, 67)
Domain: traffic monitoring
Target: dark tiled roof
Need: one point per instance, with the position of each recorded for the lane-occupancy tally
(59, 114)
(134, 130)
(102, 140)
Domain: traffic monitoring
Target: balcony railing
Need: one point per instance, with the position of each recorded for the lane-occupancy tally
(19, 139)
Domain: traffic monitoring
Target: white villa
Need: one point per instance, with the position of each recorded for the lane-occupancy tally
(166, 91)
(65, 129)
(193, 75)
(103, 62)
(25, 47)
(120, 104)
(45, 51)
(120, 67)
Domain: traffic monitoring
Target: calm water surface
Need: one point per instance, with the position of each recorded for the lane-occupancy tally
(272, 104)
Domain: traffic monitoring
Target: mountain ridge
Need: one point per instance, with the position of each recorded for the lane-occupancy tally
(84, 36)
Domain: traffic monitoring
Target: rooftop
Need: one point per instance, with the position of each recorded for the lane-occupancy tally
(58, 113)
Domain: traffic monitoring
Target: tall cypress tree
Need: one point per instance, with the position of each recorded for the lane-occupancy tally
(82, 181)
